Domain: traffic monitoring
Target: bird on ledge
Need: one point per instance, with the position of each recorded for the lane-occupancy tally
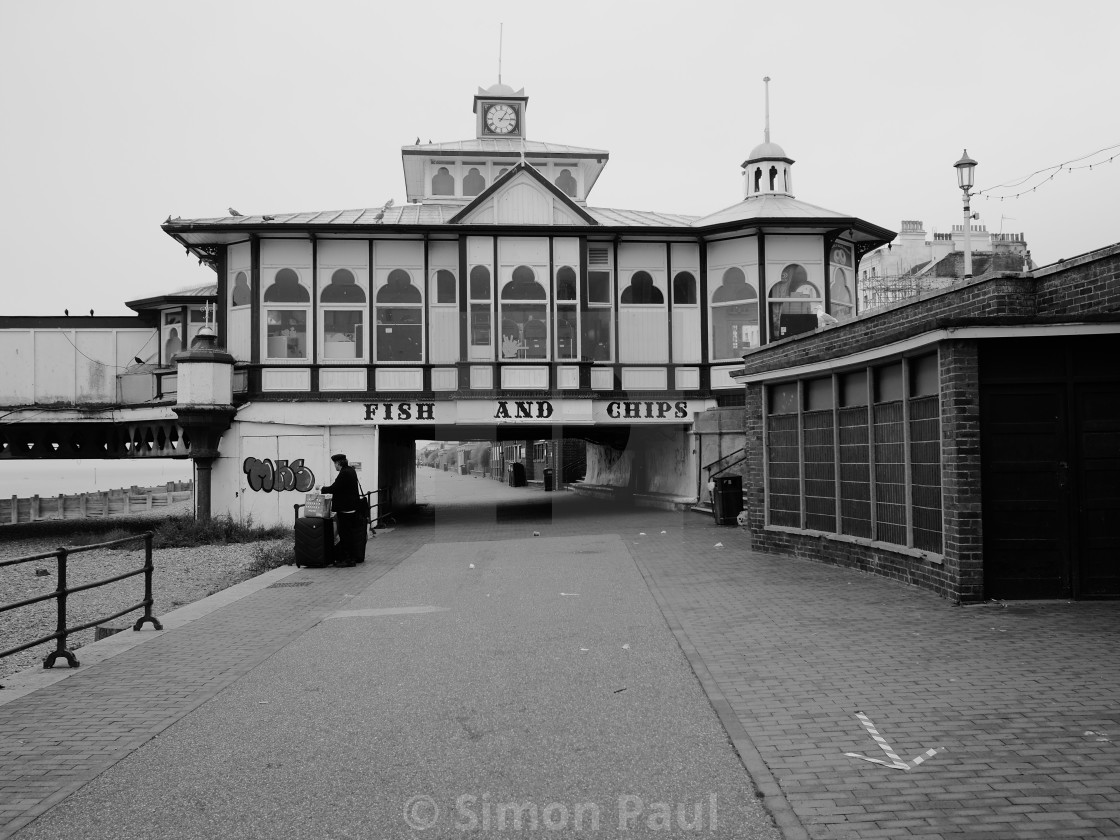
(823, 318)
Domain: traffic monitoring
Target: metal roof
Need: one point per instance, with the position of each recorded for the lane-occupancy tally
(510, 145)
(427, 213)
(768, 206)
(641, 218)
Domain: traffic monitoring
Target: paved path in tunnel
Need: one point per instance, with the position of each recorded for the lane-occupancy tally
(267, 715)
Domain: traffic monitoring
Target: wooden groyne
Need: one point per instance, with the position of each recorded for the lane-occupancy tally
(126, 500)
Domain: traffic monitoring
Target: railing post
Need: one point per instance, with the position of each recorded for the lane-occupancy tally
(60, 631)
(148, 600)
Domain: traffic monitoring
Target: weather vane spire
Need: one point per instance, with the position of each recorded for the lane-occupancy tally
(500, 27)
(766, 82)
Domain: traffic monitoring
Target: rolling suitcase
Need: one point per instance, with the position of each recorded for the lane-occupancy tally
(314, 541)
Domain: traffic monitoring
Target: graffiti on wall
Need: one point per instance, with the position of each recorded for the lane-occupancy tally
(266, 477)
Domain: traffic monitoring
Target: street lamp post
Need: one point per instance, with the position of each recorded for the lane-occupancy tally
(966, 170)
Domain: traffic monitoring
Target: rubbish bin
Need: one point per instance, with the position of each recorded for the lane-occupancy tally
(547, 479)
(464, 469)
(728, 498)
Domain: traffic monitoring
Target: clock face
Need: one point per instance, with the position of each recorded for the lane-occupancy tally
(501, 119)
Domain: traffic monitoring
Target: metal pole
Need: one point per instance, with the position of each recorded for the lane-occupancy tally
(60, 629)
(148, 599)
(967, 234)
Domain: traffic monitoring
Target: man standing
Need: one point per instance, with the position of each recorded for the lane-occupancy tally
(346, 501)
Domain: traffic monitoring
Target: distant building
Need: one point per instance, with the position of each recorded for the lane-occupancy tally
(914, 264)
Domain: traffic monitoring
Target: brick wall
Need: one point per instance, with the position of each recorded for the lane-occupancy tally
(1085, 288)
(959, 577)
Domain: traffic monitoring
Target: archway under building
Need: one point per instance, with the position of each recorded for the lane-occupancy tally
(616, 466)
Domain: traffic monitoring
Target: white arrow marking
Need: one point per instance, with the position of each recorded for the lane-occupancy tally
(895, 762)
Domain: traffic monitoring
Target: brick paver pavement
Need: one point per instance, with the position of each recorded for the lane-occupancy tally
(1021, 700)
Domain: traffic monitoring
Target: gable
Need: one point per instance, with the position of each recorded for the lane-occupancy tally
(523, 197)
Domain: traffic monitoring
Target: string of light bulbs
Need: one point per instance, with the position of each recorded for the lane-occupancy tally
(1050, 171)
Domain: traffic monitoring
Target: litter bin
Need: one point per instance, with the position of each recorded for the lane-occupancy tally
(728, 498)
(547, 479)
(464, 469)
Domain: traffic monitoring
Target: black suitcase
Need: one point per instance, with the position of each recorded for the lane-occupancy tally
(314, 541)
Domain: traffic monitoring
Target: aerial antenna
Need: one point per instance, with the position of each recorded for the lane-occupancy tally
(500, 27)
(766, 81)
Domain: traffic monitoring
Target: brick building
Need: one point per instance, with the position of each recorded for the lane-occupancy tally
(967, 441)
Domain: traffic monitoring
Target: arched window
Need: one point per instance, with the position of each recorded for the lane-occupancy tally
(442, 182)
(524, 316)
(684, 289)
(793, 302)
(480, 283)
(524, 286)
(474, 183)
(286, 288)
(566, 183)
(757, 178)
(343, 317)
(286, 327)
(400, 335)
(641, 290)
(398, 288)
(343, 288)
(773, 177)
(241, 295)
(566, 283)
(734, 315)
(445, 286)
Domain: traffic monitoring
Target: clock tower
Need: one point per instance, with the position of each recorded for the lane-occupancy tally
(500, 112)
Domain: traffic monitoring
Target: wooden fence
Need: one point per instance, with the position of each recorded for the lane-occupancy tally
(87, 505)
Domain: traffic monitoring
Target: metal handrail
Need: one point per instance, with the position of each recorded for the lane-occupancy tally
(375, 516)
(741, 449)
(62, 592)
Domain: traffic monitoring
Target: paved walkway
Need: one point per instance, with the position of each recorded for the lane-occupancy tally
(1021, 701)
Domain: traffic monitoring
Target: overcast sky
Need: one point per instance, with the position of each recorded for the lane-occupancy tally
(118, 114)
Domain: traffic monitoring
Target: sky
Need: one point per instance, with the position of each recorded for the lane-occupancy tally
(115, 115)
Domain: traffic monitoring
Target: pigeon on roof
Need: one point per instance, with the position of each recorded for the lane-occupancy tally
(233, 212)
(268, 218)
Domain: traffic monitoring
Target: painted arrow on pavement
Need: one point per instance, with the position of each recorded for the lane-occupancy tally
(895, 762)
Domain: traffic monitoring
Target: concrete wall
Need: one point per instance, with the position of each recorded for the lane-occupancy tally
(658, 461)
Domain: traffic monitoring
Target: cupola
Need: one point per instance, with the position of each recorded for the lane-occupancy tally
(766, 171)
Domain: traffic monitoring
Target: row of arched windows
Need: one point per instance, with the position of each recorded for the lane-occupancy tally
(792, 305)
(474, 182)
(343, 287)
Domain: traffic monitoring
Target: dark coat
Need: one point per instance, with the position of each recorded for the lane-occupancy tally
(344, 491)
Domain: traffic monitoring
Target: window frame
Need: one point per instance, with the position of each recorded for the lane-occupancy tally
(361, 341)
(714, 306)
(545, 305)
(911, 393)
(411, 272)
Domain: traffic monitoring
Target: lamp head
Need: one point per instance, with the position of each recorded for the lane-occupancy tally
(966, 171)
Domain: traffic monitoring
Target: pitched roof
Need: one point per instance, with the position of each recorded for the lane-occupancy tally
(522, 170)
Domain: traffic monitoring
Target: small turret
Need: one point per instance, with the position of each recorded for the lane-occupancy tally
(766, 171)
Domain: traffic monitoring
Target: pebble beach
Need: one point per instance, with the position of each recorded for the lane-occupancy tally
(181, 576)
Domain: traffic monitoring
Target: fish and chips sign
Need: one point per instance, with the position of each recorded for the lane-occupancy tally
(451, 412)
